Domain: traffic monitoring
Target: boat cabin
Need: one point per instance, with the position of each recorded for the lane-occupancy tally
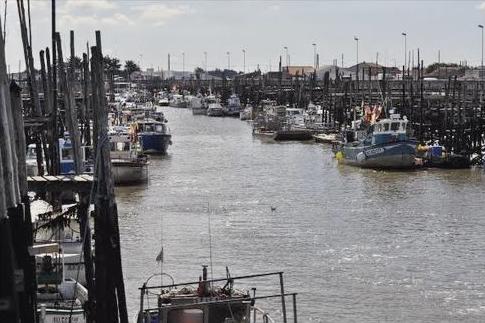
(152, 126)
(122, 145)
(393, 129)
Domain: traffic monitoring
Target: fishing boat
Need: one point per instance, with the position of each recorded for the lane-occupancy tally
(233, 107)
(154, 136)
(437, 156)
(288, 134)
(66, 154)
(203, 302)
(378, 144)
(215, 110)
(66, 158)
(178, 101)
(197, 105)
(326, 138)
(59, 298)
(129, 166)
(247, 113)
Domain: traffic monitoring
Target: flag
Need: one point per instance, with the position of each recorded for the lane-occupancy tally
(160, 256)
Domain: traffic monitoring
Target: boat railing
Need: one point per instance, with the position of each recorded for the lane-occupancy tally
(258, 315)
(147, 290)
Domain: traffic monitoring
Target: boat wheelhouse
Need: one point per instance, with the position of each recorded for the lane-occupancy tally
(215, 110)
(233, 106)
(154, 136)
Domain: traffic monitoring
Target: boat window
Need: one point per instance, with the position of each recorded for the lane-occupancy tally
(126, 146)
(159, 128)
(185, 315)
(66, 154)
(386, 127)
(31, 153)
(395, 126)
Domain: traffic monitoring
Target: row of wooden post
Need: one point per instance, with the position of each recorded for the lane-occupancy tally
(17, 268)
(107, 301)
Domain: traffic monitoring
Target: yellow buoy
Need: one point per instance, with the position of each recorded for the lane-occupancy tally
(339, 155)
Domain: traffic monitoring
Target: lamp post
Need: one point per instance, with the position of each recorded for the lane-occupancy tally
(481, 65)
(183, 65)
(405, 48)
(205, 64)
(244, 61)
(286, 54)
(357, 54)
(228, 60)
(314, 55)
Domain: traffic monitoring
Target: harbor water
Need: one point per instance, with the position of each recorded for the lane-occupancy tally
(356, 245)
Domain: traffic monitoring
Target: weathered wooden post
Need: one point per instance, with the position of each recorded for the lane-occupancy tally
(110, 291)
(70, 105)
(9, 199)
(21, 223)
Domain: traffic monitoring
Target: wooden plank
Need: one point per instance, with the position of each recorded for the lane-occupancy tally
(79, 179)
(50, 178)
(87, 177)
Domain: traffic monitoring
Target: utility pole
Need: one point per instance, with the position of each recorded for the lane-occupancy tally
(405, 49)
(357, 56)
(183, 65)
(481, 66)
(287, 57)
(314, 55)
(244, 61)
(205, 64)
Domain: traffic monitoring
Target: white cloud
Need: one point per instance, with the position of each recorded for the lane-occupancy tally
(117, 19)
(77, 13)
(72, 5)
(159, 14)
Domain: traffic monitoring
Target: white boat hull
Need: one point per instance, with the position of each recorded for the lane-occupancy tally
(55, 315)
(129, 172)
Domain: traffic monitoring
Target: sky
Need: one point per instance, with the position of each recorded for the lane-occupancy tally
(146, 31)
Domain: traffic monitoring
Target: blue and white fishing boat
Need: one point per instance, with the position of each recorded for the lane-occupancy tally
(382, 144)
(66, 154)
(233, 106)
(154, 136)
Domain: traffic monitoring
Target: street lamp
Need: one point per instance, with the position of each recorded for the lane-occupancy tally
(205, 64)
(405, 49)
(244, 61)
(357, 55)
(286, 53)
(183, 65)
(481, 66)
(314, 55)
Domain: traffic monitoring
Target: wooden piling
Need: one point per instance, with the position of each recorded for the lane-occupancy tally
(71, 113)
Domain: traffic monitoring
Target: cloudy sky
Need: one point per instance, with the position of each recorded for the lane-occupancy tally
(146, 31)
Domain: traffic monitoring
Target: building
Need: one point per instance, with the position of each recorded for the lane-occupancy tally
(298, 71)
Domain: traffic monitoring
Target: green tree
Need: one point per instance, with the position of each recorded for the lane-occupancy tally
(112, 65)
(198, 72)
(130, 67)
